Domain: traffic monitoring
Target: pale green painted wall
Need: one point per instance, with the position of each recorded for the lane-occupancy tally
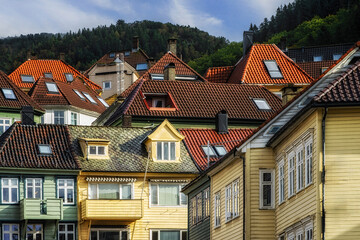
(15, 116)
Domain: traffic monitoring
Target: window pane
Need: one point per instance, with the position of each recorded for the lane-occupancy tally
(159, 151)
(155, 235)
(111, 235)
(93, 150)
(15, 236)
(101, 150)
(93, 191)
(221, 151)
(70, 227)
(184, 235)
(62, 193)
(124, 235)
(37, 192)
(267, 195)
(166, 151)
(169, 235)
(154, 199)
(14, 192)
(62, 227)
(267, 177)
(172, 151)
(169, 195)
(109, 191)
(62, 236)
(6, 195)
(93, 235)
(30, 192)
(70, 196)
(70, 236)
(6, 227)
(51, 87)
(126, 192)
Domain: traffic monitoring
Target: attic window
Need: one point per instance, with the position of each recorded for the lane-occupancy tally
(165, 151)
(89, 97)
(220, 150)
(103, 101)
(159, 101)
(27, 78)
(141, 66)
(97, 150)
(44, 149)
(69, 77)
(273, 69)
(262, 104)
(112, 55)
(209, 151)
(79, 94)
(52, 88)
(8, 93)
(48, 75)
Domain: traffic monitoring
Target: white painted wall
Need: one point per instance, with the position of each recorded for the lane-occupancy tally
(82, 118)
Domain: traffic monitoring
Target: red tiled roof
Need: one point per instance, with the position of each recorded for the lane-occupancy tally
(66, 95)
(195, 138)
(314, 69)
(37, 68)
(251, 69)
(22, 99)
(218, 74)
(19, 147)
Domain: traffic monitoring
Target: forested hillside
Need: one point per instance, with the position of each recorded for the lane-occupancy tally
(86, 46)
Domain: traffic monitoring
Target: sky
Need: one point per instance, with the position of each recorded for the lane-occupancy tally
(227, 18)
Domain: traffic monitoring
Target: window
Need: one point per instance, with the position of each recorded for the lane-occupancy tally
(281, 181)
(34, 188)
(89, 97)
(168, 235)
(59, 117)
(103, 101)
(228, 205)
(110, 191)
(141, 66)
(48, 75)
(106, 85)
(66, 231)
(206, 202)
(337, 56)
(278, 94)
(193, 211)
(27, 78)
(52, 88)
(10, 231)
(300, 235)
(79, 94)
(69, 77)
(266, 189)
(291, 174)
(317, 58)
(4, 125)
(74, 118)
(167, 195)
(235, 198)
(9, 190)
(96, 150)
(273, 69)
(199, 207)
(44, 149)
(209, 151)
(232, 200)
(309, 233)
(8, 93)
(158, 102)
(299, 169)
(308, 163)
(127, 53)
(217, 209)
(109, 233)
(34, 232)
(111, 55)
(323, 69)
(65, 190)
(220, 150)
(262, 104)
(291, 236)
(165, 151)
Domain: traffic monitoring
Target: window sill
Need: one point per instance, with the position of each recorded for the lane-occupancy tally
(266, 208)
(227, 221)
(216, 227)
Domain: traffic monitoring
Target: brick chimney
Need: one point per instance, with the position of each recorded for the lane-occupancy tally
(248, 40)
(172, 45)
(169, 72)
(135, 44)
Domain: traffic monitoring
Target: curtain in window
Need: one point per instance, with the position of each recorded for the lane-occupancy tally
(109, 191)
(169, 235)
(168, 195)
(125, 191)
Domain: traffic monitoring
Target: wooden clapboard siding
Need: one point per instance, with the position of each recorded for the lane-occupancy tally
(342, 167)
(305, 202)
(232, 229)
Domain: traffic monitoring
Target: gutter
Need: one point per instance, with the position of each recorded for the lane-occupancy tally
(323, 175)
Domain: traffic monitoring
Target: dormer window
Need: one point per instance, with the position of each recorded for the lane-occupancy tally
(79, 94)
(165, 151)
(48, 75)
(44, 149)
(94, 148)
(52, 88)
(69, 77)
(27, 78)
(273, 69)
(89, 97)
(262, 104)
(8, 93)
(159, 101)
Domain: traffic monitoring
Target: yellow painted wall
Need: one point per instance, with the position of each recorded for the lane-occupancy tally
(342, 159)
(233, 228)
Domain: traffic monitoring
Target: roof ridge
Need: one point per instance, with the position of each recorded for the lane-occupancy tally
(247, 60)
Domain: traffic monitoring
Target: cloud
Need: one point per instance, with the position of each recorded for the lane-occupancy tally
(124, 7)
(266, 8)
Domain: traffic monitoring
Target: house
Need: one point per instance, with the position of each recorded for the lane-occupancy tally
(31, 70)
(131, 180)
(281, 182)
(265, 65)
(38, 183)
(72, 103)
(172, 90)
(12, 102)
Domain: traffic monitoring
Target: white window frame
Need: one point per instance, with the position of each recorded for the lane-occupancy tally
(300, 234)
(291, 174)
(66, 232)
(80, 95)
(308, 162)
(155, 99)
(89, 97)
(263, 183)
(34, 232)
(273, 69)
(309, 228)
(33, 186)
(66, 190)
(217, 209)
(299, 168)
(106, 88)
(182, 196)
(61, 117)
(4, 124)
(235, 198)
(163, 151)
(102, 101)
(206, 200)
(109, 229)
(228, 202)
(291, 236)
(97, 150)
(281, 181)
(74, 117)
(159, 230)
(8, 91)
(10, 187)
(10, 232)
(199, 212)
(120, 189)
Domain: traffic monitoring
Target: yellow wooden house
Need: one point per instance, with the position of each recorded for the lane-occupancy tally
(130, 183)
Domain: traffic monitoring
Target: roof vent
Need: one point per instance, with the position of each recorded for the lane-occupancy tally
(222, 122)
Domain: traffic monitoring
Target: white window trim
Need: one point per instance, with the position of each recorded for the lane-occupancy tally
(206, 200)
(217, 209)
(77, 118)
(159, 230)
(163, 151)
(291, 170)
(66, 232)
(4, 125)
(299, 163)
(97, 150)
(10, 232)
(120, 190)
(60, 117)
(291, 236)
(172, 206)
(308, 227)
(281, 181)
(261, 204)
(228, 203)
(307, 167)
(41, 187)
(11, 201)
(104, 82)
(199, 204)
(153, 102)
(235, 198)
(300, 232)
(108, 229)
(66, 189)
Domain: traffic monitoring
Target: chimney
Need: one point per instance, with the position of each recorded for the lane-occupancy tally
(119, 61)
(135, 44)
(289, 92)
(172, 45)
(30, 56)
(221, 122)
(150, 62)
(27, 115)
(248, 40)
(282, 44)
(126, 121)
(169, 72)
(62, 56)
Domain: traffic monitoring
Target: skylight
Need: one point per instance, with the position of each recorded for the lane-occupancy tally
(69, 77)
(103, 102)
(141, 66)
(317, 58)
(262, 104)
(112, 55)
(273, 69)
(27, 78)
(48, 75)
(89, 97)
(209, 151)
(273, 129)
(220, 150)
(79, 94)
(51, 87)
(44, 149)
(8, 93)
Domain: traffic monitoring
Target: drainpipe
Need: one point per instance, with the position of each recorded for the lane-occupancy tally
(323, 175)
(243, 160)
